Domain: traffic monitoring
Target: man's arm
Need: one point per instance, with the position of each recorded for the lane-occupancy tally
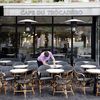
(52, 57)
(44, 63)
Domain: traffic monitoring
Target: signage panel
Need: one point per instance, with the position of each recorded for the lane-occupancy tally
(50, 11)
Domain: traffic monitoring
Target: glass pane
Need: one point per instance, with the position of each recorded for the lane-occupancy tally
(82, 40)
(61, 20)
(61, 37)
(86, 19)
(44, 20)
(7, 20)
(43, 38)
(25, 41)
(24, 17)
(7, 34)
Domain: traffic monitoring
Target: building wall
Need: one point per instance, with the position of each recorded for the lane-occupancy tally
(98, 41)
(45, 1)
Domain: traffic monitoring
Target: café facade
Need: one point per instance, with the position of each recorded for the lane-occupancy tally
(50, 30)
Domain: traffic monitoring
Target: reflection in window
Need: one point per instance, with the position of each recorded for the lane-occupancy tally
(43, 20)
(7, 20)
(25, 17)
(81, 39)
(60, 20)
(7, 37)
(43, 37)
(85, 19)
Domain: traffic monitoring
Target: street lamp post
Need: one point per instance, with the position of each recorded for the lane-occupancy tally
(73, 23)
(28, 28)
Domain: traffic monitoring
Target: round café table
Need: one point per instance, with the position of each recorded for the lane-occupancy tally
(56, 66)
(20, 66)
(4, 62)
(96, 72)
(30, 61)
(88, 66)
(85, 56)
(18, 71)
(55, 71)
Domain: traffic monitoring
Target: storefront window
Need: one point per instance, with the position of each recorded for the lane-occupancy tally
(60, 20)
(81, 39)
(7, 20)
(44, 20)
(7, 38)
(43, 38)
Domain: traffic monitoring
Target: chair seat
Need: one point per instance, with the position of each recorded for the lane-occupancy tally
(82, 79)
(9, 78)
(46, 78)
(61, 82)
(23, 81)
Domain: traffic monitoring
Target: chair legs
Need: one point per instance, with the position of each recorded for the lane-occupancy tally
(98, 90)
(84, 88)
(25, 90)
(64, 89)
(22, 87)
(5, 87)
(40, 86)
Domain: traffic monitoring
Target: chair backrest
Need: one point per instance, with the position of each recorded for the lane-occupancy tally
(32, 67)
(2, 75)
(77, 68)
(67, 67)
(1, 78)
(34, 74)
(0, 84)
(18, 63)
(42, 71)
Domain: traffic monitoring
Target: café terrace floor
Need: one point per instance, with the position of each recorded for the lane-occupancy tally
(47, 95)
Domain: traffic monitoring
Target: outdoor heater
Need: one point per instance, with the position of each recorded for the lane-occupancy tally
(73, 23)
(28, 29)
(28, 22)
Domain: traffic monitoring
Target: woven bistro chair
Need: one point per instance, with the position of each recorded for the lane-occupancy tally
(3, 82)
(98, 86)
(25, 84)
(44, 78)
(63, 85)
(81, 81)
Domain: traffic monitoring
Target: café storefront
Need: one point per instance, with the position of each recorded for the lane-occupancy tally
(50, 31)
